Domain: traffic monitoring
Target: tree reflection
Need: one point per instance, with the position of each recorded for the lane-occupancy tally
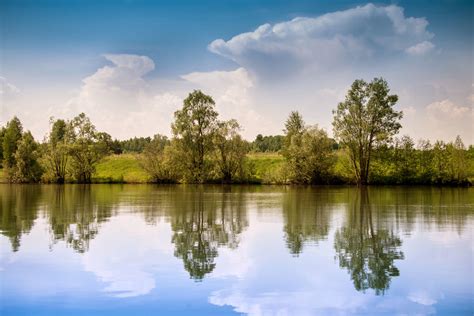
(202, 221)
(367, 253)
(18, 211)
(307, 214)
(75, 213)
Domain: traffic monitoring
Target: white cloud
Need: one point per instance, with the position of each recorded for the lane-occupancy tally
(127, 269)
(447, 110)
(354, 34)
(7, 89)
(121, 101)
(420, 48)
(422, 297)
(442, 120)
(233, 96)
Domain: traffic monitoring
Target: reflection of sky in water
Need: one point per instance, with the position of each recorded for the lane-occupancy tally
(130, 267)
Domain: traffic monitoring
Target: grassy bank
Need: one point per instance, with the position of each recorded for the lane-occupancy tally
(120, 168)
(126, 168)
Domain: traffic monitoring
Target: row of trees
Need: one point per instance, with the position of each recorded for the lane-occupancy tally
(206, 149)
(71, 149)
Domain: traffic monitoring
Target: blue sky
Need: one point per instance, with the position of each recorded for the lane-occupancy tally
(49, 48)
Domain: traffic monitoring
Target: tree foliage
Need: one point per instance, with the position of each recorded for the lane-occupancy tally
(11, 137)
(56, 151)
(193, 128)
(308, 151)
(86, 149)
(364, 120)
(231, 151)
(26, 169)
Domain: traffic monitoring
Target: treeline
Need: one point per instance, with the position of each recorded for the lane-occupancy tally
(205, 149)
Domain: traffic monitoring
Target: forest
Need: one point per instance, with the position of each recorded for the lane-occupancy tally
(366, 149)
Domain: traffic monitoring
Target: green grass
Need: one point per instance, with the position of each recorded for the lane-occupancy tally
(267, 166)
(120, 168)
(126, 168)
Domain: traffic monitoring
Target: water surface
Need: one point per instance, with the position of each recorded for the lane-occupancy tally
(221, 250)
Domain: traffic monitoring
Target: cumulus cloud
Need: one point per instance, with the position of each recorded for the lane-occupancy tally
(442, 120)
(447, 110)
(354, 34)
(420, 48)
(120, 93)
(232, 92)
(125, 269)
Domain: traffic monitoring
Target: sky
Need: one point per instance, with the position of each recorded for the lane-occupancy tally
(129, 64)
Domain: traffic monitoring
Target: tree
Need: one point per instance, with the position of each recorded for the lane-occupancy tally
(294, 126)
(440, 161)
(193, 129)
(364, 120)
(272, 143)
(55, 157)
(2, 134)
(231, 151)
(11, 137)
(425, 157)
(27, 168)
(405, 160)
(458, 163)
(157, 160)
(87, 148)
(309, 157)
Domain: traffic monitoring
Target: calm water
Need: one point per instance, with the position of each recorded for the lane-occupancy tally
(260, 250)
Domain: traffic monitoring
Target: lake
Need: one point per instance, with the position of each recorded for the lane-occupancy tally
(233, 250)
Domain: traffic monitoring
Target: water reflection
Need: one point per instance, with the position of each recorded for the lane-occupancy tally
(201, 223)
(367, 252)
(19, 209)
(75, 214)
(307, 214)
(252, 249)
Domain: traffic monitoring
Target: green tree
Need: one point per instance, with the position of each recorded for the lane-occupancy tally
(2, 134)
(310, 157)
(425, 158)
(231, 151)
(440, 162)
(11, 137)
(272, 143)
(157, 160)
(87, 148)
(459, 161)
(27, 168)
(193, 130)
(364, 120)
(294, 126)
(405, 160)
(56, 151)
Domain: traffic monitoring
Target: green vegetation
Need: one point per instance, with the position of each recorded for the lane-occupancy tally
(204, 149)
(120, 168)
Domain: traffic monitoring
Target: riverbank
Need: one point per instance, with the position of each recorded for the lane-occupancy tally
(267, 169)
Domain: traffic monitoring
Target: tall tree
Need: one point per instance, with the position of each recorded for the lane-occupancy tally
(193, 128)
(364, 120)
(27, 168)
(309, 157)
(2, 134)
(55, 156)
(231, 151)
(12, 136)
(294, 126)
(87, 148)
(157, 160)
